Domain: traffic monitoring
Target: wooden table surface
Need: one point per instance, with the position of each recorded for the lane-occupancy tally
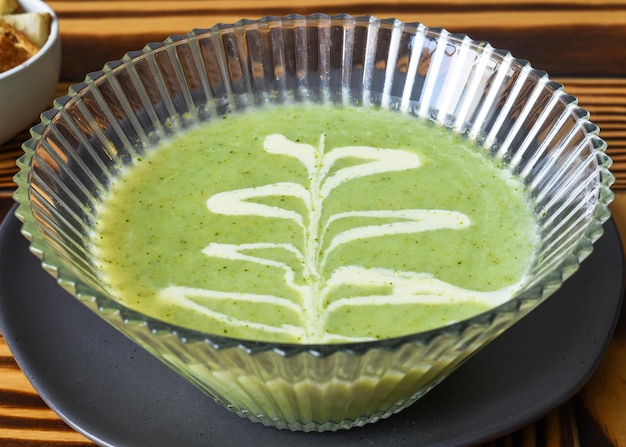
(580, 43)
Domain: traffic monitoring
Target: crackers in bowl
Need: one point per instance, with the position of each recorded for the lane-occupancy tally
(22, 34)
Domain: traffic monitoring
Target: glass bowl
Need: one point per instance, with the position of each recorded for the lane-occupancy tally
(514, 112)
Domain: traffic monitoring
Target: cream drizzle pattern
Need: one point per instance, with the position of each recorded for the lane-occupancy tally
(405, 287)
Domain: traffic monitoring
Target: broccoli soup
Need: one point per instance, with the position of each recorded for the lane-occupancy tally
(314, 224)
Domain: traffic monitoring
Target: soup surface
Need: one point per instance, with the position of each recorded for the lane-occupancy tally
(314, 224)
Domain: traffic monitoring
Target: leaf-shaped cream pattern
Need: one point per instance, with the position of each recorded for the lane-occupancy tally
(236, 202)
(236, 252)
(314, 289)
(199, 300)
(319, 164)
(380, 160)
(308, 155)
(400, 289)
(409, 221)
(322, 181)
(406, 287)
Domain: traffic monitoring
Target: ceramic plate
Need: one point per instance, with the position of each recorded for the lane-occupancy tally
(116, 394)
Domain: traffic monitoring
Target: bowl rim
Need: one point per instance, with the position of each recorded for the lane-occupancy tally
(129, 316)
(53, 36)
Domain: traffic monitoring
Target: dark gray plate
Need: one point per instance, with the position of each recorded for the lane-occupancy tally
(106, 387)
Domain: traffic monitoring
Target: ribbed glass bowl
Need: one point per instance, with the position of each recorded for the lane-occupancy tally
(514, 111)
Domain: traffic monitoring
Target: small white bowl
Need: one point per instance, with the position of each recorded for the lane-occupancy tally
(28, 89)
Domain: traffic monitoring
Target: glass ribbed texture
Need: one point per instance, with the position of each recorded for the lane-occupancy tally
(522, 117)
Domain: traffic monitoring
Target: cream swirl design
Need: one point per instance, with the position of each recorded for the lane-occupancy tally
(309, 276)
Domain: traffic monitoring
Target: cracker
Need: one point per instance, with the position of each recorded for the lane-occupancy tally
(15, 47)
(8, 6)
(36, 25)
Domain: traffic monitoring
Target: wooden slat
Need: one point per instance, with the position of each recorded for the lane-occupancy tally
(25, 420)
(560, 37)
(605, 99)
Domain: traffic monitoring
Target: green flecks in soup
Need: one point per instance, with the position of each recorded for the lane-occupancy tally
(308, 223)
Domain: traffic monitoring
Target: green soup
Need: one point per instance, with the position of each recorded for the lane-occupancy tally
(314, 224)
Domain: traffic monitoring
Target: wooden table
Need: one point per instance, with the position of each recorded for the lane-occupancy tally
(581, 43)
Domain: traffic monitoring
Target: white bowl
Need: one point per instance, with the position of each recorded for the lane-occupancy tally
(27, 89)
